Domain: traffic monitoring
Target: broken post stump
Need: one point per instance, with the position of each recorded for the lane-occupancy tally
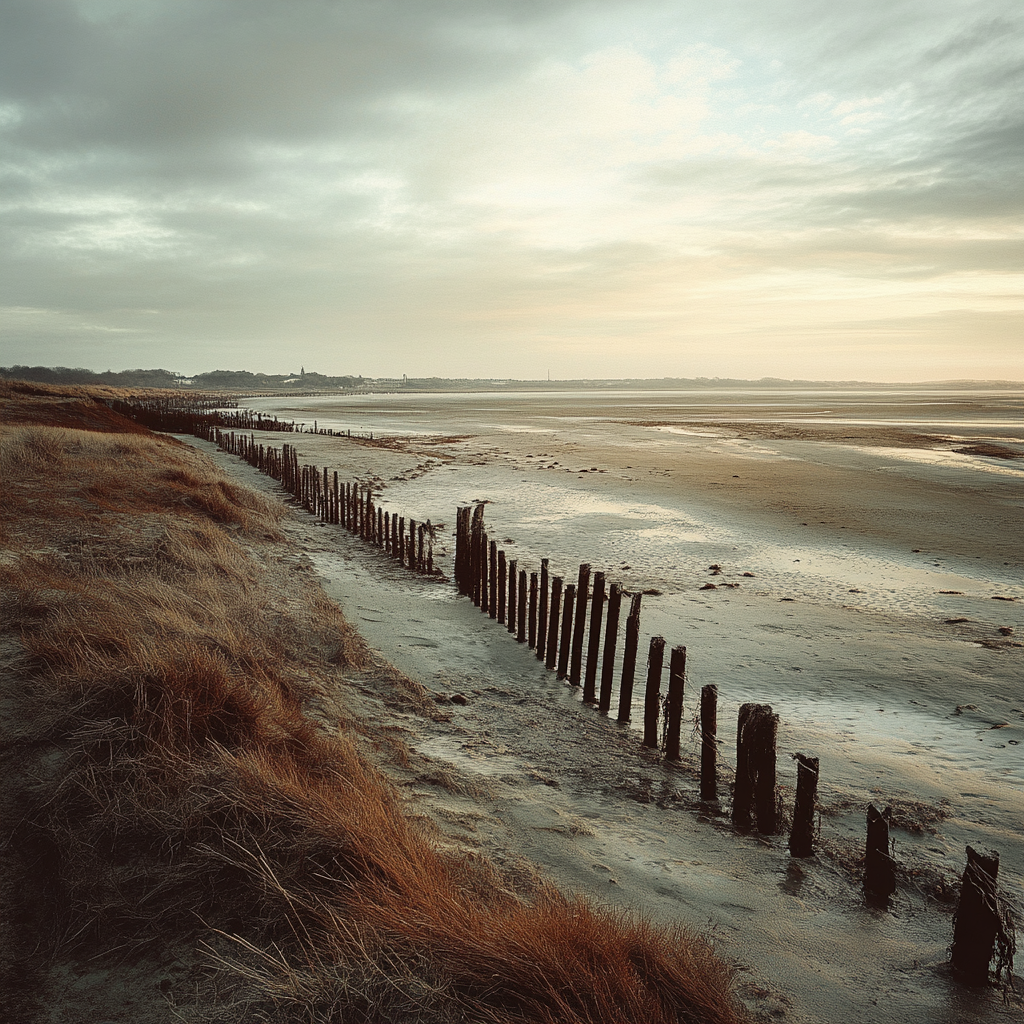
(676, 682)
(756, 733)
(652, 696)
(709, 743)
(977, 921)
(579, 625)
(879, 869)
(801, 835)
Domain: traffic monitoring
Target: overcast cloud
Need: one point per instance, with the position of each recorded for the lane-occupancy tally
(502, 189)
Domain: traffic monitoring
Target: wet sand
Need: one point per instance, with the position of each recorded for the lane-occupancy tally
(850, 533)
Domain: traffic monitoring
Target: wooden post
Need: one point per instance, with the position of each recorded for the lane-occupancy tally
(462, 516)
(421, 548)
(579, 624)
(556, 607)
(542, 611)
(492, 601)
(521, 609)
(801, 835)
(474, 569)
(879, 867)
(513, 603)
(502, 586)
(611, 639)
(394, 536)
(676, 682)
(594, 639)
(977, 922)
(629, 660)
(565, 643)
(756, 732)
(652, 696)
(336, 517)
(709, 743)
(485, 590)
(401, 540)
(533, 611)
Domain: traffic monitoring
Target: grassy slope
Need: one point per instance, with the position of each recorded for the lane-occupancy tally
(171, 789)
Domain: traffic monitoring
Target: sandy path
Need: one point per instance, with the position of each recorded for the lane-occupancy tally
(556, 783)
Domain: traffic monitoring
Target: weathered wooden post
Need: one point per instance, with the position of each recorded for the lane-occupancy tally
(652, 696)
(462, 534)
(801, 835)
(485, 590)
(336, 518)
(553, 615)
(594, 639)
(977, 923)
(379, 538)
(421, 548)
(565, 640)
(476, 529)
(879, 867)
(401, 540)
(533, 611)
(387, 532)
(396, 544)
(579, 625)
(676, 682)
(502, 586)
(709, 743)
(756, 732)
(513, 604)
(629, 660)
(521, 609)
(542, 611)
(492, 600)
(611, 639)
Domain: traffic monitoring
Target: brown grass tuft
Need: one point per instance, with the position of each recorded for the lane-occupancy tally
(178, 781)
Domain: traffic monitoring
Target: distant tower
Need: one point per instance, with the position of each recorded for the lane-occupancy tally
(302, 371)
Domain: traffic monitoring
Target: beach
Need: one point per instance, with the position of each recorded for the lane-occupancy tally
(848, 531)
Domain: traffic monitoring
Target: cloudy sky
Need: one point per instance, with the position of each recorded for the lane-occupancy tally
(507, 188)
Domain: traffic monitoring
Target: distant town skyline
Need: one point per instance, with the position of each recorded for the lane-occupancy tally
(505, 189)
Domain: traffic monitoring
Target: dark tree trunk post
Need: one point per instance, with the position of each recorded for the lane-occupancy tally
(394, 537)
(380, 527)
(502, 586)
(579, 625)
(421, 548)
(521, 608)
(765, 800)
(565, 641)
(594, 639)
(611, 639)
(879, 868)
(743, 793)
(401, 540)
(977, 921)
(629, 660)
(542, 611)
(533, 611)
(554, 611)
(387, 532)
(709, 743)
(801, 836)
(652, 696)
(676, 682)
(337, 509)
(513, 604)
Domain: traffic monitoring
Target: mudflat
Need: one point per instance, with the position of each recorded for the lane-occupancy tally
(862, 576)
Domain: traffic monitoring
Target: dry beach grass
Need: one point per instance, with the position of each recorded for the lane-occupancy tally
(182, 771)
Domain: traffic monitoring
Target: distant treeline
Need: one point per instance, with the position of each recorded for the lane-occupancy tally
(245, 381)
(221, 380)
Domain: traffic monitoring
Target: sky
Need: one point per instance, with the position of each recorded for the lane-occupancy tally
(515, 188)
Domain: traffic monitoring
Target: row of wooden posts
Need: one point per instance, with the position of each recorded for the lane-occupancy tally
(550, 616)
(347, 504)
(551, 619)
